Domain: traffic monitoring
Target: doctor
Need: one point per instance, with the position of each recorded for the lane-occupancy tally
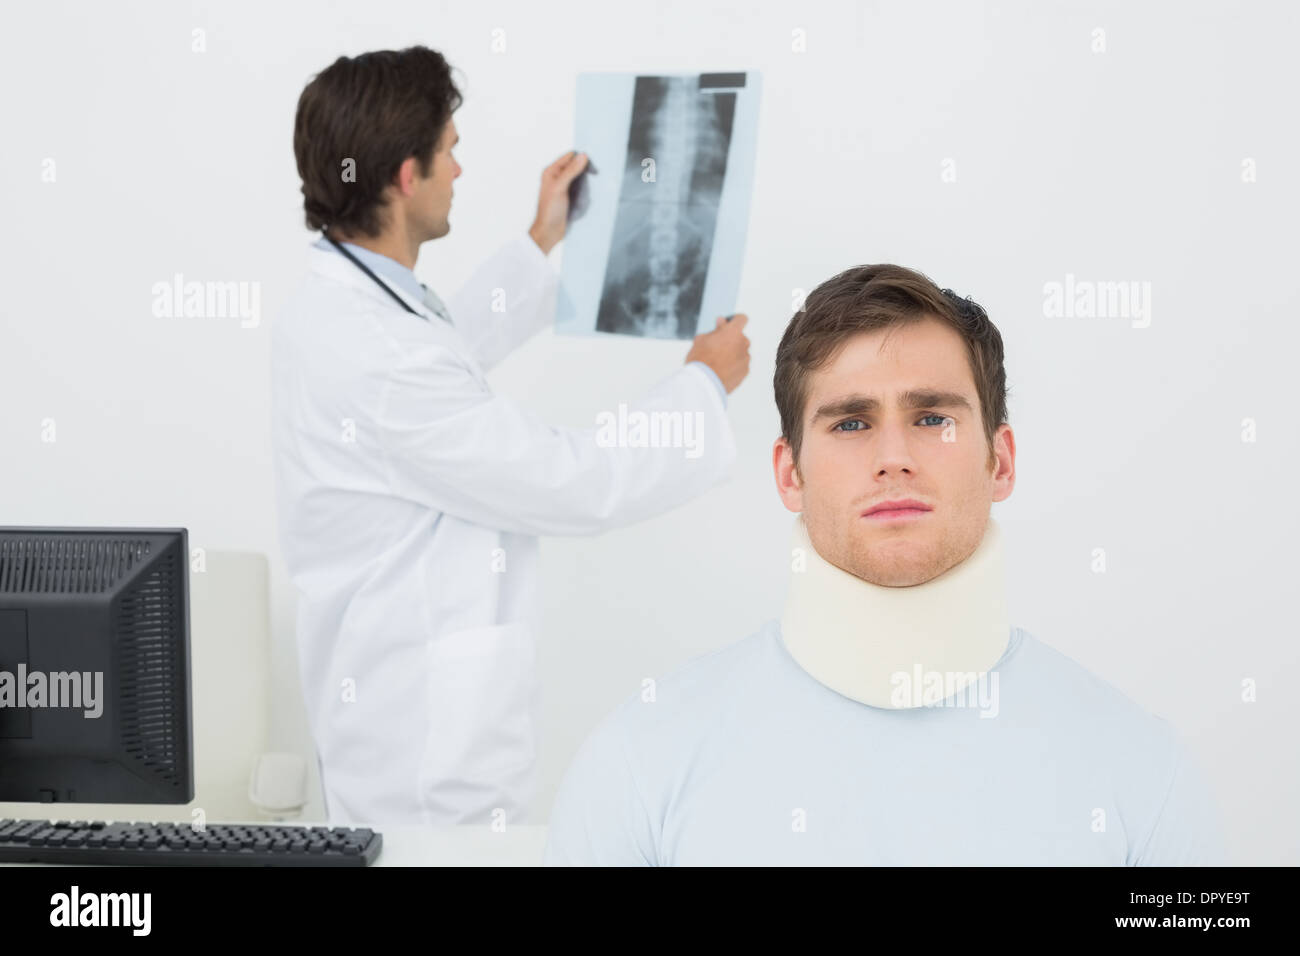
(410, 497)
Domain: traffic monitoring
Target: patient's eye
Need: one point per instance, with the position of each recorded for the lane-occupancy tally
(857, 424)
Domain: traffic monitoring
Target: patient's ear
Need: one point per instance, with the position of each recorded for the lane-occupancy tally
(788, 483)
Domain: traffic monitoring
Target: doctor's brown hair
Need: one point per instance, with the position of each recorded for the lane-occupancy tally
(869, 298)
(376, 109)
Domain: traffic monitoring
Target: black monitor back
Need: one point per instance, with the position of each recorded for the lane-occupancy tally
(87, 601)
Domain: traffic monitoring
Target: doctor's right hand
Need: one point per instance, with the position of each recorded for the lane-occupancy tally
(725, 350)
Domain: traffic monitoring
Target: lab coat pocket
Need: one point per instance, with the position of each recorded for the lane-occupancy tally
(480, 750)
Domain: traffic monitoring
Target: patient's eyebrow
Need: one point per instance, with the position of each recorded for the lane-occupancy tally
(858, 404)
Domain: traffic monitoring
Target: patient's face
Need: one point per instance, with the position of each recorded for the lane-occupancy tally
(855, 455)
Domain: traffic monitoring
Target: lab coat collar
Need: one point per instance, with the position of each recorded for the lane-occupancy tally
(330, 264)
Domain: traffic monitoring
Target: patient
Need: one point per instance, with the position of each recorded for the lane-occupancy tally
(892, 715)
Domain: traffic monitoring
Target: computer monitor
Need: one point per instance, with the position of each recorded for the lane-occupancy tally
(95, 666)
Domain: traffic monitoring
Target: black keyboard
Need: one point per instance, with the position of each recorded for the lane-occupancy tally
(182, 844)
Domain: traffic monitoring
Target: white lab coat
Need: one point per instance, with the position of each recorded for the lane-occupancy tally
(409, 501)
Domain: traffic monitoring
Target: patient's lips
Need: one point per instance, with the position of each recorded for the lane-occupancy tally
(897, 511)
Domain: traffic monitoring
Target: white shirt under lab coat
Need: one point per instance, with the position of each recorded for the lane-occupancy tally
(409, 500)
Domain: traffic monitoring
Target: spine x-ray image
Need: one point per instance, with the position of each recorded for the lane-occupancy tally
(658, 250)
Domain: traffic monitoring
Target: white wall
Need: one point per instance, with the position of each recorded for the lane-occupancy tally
(1120, 165)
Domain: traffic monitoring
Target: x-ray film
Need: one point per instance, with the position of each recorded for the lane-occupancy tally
(657, 248)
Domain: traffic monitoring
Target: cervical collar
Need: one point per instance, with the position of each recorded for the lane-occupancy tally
(860, 639)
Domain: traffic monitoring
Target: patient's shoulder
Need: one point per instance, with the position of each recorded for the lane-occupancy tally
(704, 690)
(1064, 689)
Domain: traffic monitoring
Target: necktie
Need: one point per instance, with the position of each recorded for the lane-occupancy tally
(435, 304)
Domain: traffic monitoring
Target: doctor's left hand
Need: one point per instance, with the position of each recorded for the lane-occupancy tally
(553, 202)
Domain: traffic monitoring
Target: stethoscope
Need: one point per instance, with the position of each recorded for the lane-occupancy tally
(378, 281)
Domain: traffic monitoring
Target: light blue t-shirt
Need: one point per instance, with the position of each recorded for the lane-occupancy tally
(405, 279)
(742, 757)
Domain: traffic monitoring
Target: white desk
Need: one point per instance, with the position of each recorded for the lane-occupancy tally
(461, 846)
(450, 846)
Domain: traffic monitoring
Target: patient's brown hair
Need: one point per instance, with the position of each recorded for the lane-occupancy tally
(873, 297)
